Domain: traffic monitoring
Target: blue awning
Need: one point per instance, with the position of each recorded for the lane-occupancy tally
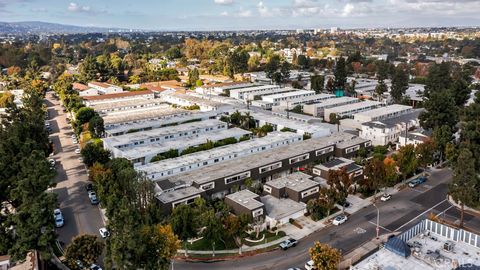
(398, 246)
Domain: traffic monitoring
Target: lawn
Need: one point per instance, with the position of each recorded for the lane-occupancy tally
(270, 237)
(203, 244)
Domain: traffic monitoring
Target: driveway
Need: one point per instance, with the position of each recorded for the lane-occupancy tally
(80, 216)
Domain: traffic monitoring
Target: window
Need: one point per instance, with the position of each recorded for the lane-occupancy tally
(323, 151)
(270, 167)
(238, 177)
(352, 149)
(257, 212)
(299, 158)
(358, 173)
(310, 192)
(208, 186)
(267, 189)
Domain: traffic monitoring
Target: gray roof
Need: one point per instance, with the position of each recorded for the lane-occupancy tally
(281, 208)
(296, 181)
(178, 194)
(246, 198)
(391, 122)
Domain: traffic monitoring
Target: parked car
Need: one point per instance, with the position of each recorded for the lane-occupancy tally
(104, 233)
(417, 181)
(89, 187)
(52, 162)
(93, 197)
(340, 219)
(95, 267)
(386, 197)
(310, 265)
(288, 243)
(59, 221)
(294, 268)
(77, 151)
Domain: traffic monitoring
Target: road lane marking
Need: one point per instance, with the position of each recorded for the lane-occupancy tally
(380, 226)
(423, 213)
(444, 211)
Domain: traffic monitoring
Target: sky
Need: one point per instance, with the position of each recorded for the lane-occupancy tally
(244, 14)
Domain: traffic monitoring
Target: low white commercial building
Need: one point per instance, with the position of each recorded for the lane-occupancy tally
(186, 100)
(347, 111)
(381, 113)
(163, 134)
(388, 131)
(105, 88)
(254, 89)
(130, 105)
(277, 98)
(167, 168)
(223, 88)
(126, 95)
(317, 109)
(305, 100)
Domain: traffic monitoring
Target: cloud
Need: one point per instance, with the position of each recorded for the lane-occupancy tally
(223, 2)
(245, 13)
(347, 9)
(263, 10)
(224, 14)
(74, 7)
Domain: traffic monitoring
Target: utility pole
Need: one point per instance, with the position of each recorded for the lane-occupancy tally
(378, 221)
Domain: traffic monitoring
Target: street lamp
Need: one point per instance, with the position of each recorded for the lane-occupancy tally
(378, 220)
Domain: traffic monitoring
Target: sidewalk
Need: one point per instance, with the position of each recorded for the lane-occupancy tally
(244, 248)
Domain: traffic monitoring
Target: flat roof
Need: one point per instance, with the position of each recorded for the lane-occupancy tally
(281, 208)
(391, 122)
(297, 181)
(233, 149)
(385, 259)
(288, 94)
(184, 142)
(246, 163)
(194, 99)
(384, 110)
(157, 112)
(352, 142)
(158, 132)
(334, 163)
(157, 120)
(140, 102)
(178, 194)
(353, 106)
(333, 101)
(246, 198)
(254, 88)
(119, 95)
(311, 98)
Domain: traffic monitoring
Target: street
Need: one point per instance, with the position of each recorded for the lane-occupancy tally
(80, 216)
(405, 209)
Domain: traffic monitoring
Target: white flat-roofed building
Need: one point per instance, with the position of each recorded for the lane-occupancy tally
(241, 93)
(105, 88)
(258, 96)
(170, 167)
(279, 123)
(126, 95)
(189, 100)
(223, 88)
(163, 134)
(317, 109)
(171, 199)
(387, 131)
(277, 98)
(127, 105)
(124, 123)
(140, 155)
(305, 100)
(381, 113)
(347, 111)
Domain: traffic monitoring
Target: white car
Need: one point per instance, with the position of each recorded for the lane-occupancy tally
(59, 221)
(386, 197)
(309, 265)
(77, 151)
(75, 141)
(340, 219)
(95, 267)
(104, 232)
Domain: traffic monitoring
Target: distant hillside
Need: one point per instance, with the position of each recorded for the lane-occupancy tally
(49, 28)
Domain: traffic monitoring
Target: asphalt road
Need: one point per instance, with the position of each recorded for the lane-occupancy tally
(80, 216)
(405, 209)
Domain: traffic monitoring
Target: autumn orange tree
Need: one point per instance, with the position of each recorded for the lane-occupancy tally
(324, 257)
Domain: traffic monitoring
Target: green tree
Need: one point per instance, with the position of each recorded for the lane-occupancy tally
(406, 160)
(214, 230)
(88, 69)
(342, 183)
(161, 246)
(173, 53)
(193, 76)
(96, 126)
(442, 136)
(375, 175)
(272, 66)
(399, 84)
(285, 71)
(302, 61)
(440, 110)
(85, 248)
(465, 186)
(317, 83)
(425, 152)
(324, 257)
(340, 74)
(184, 222)
(93, 152)
(84, 115)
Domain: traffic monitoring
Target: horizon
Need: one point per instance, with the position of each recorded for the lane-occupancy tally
(236, 15)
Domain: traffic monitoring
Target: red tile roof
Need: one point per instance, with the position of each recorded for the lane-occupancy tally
(119, 95)
(80, 86)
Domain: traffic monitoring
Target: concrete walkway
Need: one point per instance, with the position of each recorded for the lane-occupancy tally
(244, 248)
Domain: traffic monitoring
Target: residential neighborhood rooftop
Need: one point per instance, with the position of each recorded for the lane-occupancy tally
(297, 181)
(280, 208)
(246, 198)
(168, 197)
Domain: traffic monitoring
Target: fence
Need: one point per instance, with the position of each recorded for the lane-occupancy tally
(413, 231)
